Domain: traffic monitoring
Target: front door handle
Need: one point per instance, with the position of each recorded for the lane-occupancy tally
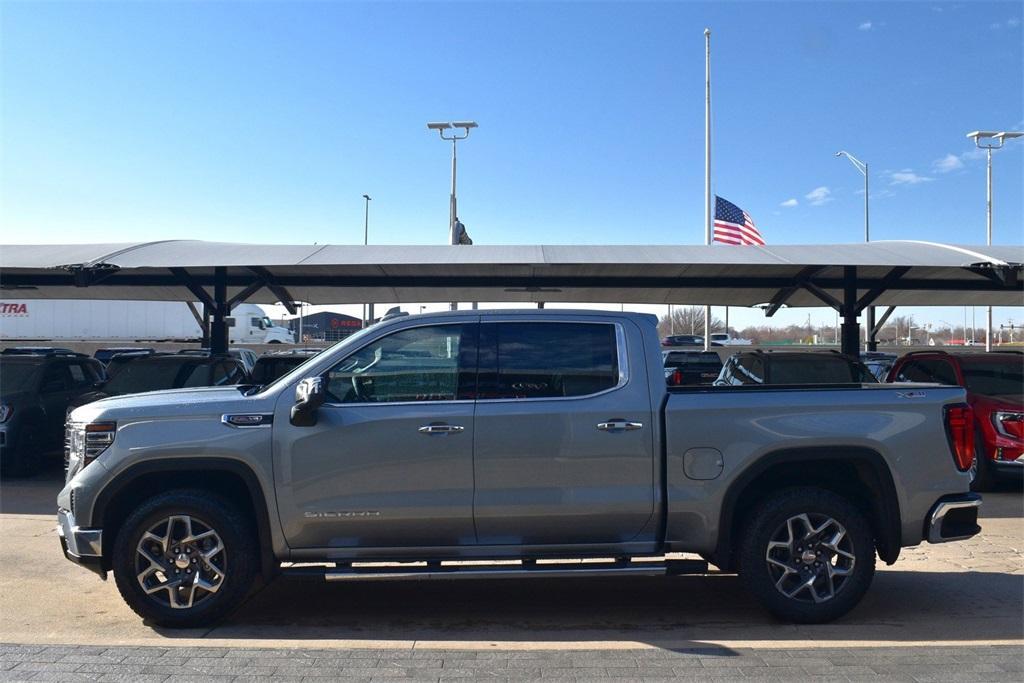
(441, 429)
(619, 426)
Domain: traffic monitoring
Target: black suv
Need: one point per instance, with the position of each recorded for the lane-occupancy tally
(793, 367)
(131, 373)
(36, 387)
(271, 366)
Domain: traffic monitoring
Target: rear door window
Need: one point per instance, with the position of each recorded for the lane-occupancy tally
(547, 360)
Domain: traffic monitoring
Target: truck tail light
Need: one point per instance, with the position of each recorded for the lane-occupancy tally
(1009, 424)
(960, 430)
(677, 377)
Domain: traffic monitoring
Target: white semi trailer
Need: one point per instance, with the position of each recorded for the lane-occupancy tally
(69, 319)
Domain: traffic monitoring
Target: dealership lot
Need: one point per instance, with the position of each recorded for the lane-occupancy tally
(961, 601)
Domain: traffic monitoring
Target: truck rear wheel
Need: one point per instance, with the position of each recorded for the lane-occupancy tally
(185, 558)
(807, 554)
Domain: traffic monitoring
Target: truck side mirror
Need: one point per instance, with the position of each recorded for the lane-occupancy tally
(310, 394)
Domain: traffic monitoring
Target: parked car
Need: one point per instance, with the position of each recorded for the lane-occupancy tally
(691, 367)
(726, 339)
(686, 340)
(793, 367)
(137, 373)
(247, 356)
(105, 354)
(995, 390)
(498, 435)
(879, 363)
(35, 392)
(271, 366)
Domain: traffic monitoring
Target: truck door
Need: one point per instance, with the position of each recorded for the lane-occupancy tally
(390, 461)
(564, 441)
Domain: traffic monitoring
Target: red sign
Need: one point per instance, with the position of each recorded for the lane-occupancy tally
(13, 309)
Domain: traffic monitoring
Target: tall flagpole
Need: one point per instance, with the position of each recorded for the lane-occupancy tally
(707, 169)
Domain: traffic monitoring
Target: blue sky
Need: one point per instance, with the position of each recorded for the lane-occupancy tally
(266, 122)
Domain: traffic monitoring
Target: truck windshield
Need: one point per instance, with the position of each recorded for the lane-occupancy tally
(300, 372)
(267, 322)
(995, 376)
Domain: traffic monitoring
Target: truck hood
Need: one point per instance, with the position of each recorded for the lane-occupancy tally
(173, 403)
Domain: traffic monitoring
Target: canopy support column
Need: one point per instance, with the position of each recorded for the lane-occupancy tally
(850, 330)
(219, 325)
(205, 326)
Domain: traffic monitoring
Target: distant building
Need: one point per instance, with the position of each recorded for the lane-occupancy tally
(326, 326)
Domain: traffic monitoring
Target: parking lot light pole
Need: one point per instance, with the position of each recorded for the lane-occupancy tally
(367, 308)
(869, 338)
(989, 140)
(441, 127)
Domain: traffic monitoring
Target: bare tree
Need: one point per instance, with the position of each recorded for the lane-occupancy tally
(688, 320)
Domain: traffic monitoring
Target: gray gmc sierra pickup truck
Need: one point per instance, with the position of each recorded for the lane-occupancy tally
(537, 436)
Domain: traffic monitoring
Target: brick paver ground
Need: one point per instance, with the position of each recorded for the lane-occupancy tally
(170, 664)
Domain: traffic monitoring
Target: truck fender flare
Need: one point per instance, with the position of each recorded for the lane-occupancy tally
(125, 479)
(886, 511)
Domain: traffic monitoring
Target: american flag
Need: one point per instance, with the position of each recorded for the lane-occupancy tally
(733, 225)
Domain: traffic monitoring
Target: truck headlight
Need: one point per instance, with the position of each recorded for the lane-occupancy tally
(85, 443)
(5, 412)
(1009, 424)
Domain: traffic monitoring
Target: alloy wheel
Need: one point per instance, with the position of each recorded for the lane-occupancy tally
(810, 558)
(180, 561)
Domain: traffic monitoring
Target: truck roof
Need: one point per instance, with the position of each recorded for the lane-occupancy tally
(531, 312)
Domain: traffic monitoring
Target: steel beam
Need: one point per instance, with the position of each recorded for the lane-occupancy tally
(273, 284)
(12, 281)
(219, 325)
(881, 323)
(783, 295)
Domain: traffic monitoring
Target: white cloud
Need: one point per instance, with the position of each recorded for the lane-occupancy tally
(865, 26)
(819, 195)
(950, 162)
(906, 177)
(1013, 22)
(995, 26)
(789, 202)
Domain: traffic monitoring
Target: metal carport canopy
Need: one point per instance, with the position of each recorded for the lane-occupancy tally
(885, 273)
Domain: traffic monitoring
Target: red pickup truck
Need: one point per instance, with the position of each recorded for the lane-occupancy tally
(995, 390)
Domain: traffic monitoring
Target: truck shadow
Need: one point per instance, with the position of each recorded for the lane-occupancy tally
(673, 613)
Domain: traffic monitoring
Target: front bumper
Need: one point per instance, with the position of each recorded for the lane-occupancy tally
(953, 518)
(81, 546)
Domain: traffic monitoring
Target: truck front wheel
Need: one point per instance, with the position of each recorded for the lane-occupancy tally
(807, 554)
(185, 558)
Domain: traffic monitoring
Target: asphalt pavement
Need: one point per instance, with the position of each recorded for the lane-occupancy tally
(943, 612)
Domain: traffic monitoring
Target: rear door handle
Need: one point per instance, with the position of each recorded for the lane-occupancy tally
(619, 426)
(441, 429)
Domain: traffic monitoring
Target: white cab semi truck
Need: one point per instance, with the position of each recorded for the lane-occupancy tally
(85, 319)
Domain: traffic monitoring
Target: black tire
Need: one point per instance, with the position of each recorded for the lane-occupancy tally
(24, 458)
(983, 479)
(239, 561)
(773, 517)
